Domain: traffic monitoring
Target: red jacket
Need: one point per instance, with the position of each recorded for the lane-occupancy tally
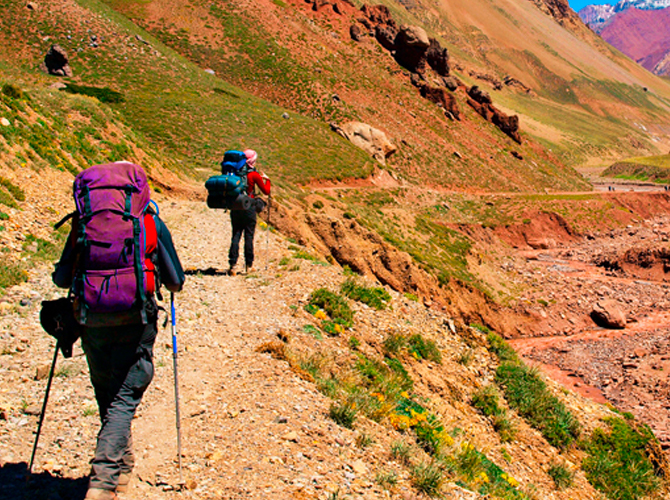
(255, 179)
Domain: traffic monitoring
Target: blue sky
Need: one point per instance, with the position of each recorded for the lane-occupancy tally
(578, 5)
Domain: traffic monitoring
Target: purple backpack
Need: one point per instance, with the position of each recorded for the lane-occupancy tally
(115, 237)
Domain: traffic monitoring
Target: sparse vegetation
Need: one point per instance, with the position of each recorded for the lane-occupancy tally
(428, 478)
(375, 297)
(343, 414)
(625, 460)
(561, 475)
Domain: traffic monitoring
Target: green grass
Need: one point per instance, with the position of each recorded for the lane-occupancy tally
(343, 414)
(527, 393)
(375, 297)
(487, 400)
(482, 474)
(650, 168)
(334, 305)
(624, 460)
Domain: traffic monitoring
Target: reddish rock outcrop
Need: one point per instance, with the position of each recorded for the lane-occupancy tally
(482, 103)
(438, 58)
(442, 97)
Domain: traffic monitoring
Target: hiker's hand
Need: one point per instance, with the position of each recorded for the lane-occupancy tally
(264, 176)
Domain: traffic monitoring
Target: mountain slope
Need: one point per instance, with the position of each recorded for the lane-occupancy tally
(643, 35)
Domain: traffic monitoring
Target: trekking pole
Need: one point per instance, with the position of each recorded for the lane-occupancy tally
(267, 233)
(176, 381)
(44, 409)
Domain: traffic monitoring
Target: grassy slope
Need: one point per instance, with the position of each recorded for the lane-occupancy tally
(191, 114)
(301, 63)
(648, 168)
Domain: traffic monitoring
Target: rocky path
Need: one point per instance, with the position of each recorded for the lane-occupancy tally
(251, 428)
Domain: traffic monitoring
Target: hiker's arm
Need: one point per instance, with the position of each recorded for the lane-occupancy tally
(262, 181)
(64, 272)
(171, 271)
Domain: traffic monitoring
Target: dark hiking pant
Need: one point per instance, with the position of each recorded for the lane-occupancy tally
(243, 221)
(120, 361)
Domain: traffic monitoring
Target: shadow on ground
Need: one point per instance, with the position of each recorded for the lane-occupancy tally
(210, 271)
(16, 485)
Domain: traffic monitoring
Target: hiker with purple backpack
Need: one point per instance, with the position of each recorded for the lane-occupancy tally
(117, 256)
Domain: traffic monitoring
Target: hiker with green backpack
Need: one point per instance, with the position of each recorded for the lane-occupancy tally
(244, 221)
(117, 255)
(235, 190)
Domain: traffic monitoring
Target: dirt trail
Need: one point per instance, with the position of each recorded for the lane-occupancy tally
(244, 419)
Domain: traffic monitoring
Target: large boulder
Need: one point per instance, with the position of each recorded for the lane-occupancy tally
(438, 58)
(356, 32)
(479, 95)
(608, 314)
(367, 138)
(385, 35)
(56, 62)
(411, 45)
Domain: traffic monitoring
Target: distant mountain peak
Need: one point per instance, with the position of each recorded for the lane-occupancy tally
(638, 28)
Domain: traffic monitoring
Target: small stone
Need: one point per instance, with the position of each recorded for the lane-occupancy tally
(285, 116)
(32, 410)
(358, 467)
(191, 484)
(42, 372)
(291, 436)
(210, 71)
(5, 122)
(281, 420)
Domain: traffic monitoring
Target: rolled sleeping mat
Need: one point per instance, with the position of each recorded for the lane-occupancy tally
(242, 202)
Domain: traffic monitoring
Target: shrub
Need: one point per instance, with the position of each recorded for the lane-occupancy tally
(386, 479)
(364, 440)
(487, 401)
(12, 91)
(343, 414)
(335, 305)
(527, 393)
(394, 343)
(11, 274)
(401, 451)
(318, 204)
(375, 297)
(501, 348)
(619, 460)
(561, 475)
(427, 478)
(421, 348)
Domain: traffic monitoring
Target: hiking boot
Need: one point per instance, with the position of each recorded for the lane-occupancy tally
(249, 269)
(124, 480)
(99, 494)
(231, 271)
